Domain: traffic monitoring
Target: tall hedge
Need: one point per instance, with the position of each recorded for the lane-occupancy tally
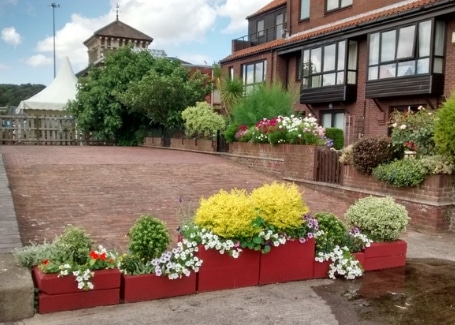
(337, 135)
(444, 132)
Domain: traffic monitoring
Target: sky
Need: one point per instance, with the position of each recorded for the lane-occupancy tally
(196, 31)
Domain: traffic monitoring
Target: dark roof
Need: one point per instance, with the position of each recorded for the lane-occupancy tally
(120, 29)
(270, 6)
(371, 16)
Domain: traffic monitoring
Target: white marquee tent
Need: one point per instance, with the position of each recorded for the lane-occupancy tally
(55, 96)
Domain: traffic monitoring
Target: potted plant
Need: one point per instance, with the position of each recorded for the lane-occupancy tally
(383, 220)
(69, 274)
(240, 225)
(151, 272)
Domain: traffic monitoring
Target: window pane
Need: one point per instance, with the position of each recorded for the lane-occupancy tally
(352, 56)
(279, 26)
(374, 49)
(423, 66)
(437, 67)
(406, 68)
(424, 38)
(260, 28)
(388, 46)
(341, 56)
(305, 83)
(352, 77)
(340, 78)
(326, 120)
(316, 60)
(316, 81)
(329, 79)
(339, 121)
(259, 73)
(373, 73)
(406, 42)
(387, 71)
(345, 3)
(329, 57)
(304, 9)
(306, 63)
(249, 74)
(439, 38)
(332, 4)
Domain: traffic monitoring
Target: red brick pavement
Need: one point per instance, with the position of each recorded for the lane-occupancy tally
(105, 189)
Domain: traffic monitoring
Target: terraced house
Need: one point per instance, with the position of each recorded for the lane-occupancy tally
(354, 61)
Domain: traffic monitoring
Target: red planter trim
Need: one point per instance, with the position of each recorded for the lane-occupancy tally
(290, 262)
(52, 284)
(149, 287)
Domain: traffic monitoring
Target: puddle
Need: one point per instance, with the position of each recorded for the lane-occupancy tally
(422, 292)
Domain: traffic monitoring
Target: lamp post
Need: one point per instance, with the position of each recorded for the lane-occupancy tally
(54, 5)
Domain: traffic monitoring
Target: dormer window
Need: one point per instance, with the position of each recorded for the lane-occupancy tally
(304, 9)
(260, 28)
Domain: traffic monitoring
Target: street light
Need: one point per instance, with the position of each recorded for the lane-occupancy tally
(54, 5)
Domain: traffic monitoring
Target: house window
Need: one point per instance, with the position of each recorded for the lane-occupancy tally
(406, 51)
(337, 4)
(330, 65)
(253, 74)
(304, 9)
(333, 119)
(299, 68)
(260, 26)
(279, 26)
(231, 73)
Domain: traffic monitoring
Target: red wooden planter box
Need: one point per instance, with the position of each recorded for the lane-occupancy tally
(52, 284)
(61, 293)
(321, 269)
(149, 286)
(221, 271)
(289, 262)
(77, 300)
(385, 255)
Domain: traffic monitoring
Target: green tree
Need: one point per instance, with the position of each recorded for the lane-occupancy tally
(11, 95)
(98, 110)
(164, 92)
(444, 132)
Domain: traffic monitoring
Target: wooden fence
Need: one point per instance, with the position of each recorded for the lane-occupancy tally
(328, 167)
(42, 130)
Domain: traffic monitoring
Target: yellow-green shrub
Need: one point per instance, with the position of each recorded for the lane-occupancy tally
(233, 214)
(280, 205)
(227, 214)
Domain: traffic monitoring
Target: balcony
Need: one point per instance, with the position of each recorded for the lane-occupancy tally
(258, 38)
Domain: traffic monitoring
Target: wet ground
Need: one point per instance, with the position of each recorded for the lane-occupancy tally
(422, 292)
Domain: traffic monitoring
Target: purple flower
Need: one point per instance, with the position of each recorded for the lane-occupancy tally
(302, 240)
(310, 235)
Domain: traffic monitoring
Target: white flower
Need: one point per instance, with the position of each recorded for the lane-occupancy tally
(402, 126)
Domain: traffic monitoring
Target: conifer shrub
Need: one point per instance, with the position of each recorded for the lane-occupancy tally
(337, 137)
(148, 237)
(444, 131)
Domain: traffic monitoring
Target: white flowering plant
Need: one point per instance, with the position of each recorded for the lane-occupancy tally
(343, 263)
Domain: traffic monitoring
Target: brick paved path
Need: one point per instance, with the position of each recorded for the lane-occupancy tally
(104, 189)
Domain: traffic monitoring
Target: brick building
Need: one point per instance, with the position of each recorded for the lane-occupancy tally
(354, 61)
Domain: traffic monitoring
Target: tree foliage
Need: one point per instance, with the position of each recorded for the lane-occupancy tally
(444, 132)
(11, 95)
(132, 90)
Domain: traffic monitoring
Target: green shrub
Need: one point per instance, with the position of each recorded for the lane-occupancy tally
(202, 120)
(381, 219)
(33, 254)
(370, 152)
(73, 246)
(413, 130)
(337, 137)
(335, 232)
(444, 132)
(230, 131)
(265, 101)
(401, 173)
(438, 164)
(148, 237)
